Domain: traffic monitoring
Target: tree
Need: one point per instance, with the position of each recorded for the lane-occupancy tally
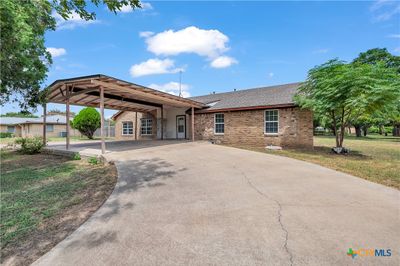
(23, 57)
(343, 92)
(20, 114)
(379, 55)
(87, 121)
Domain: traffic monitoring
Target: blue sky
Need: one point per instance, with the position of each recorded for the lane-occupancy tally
(218, 46)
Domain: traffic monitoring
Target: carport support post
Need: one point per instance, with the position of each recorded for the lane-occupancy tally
(162, 122)
(67, 118)
(192, 123)
(44, 123)
(103, 144)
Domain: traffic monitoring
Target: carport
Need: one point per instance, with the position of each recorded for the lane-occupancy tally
(111, 93)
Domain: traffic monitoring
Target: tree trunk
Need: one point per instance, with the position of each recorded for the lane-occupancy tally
(365, 130)
(396, 131)
(358, 130)
(380, 130)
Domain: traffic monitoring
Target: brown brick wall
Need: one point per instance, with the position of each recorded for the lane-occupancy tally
(130, 116)
(247, 128)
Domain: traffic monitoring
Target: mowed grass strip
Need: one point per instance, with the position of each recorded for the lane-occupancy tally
(375, 158)
(44, 198)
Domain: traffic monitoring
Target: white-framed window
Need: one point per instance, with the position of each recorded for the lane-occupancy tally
(49, 128)
(127, 128)
(219, 124)
(146, 127)
(271, 122)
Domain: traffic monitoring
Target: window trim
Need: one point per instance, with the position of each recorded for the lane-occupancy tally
(265, 123)
(49, 125)
(122, 128)
(141, 126)
(215, 123)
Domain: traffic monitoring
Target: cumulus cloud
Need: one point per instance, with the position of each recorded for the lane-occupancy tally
(154, 66)
(208, 43)
(55, 52)
(172, 88)
(223, 61)
(73, 21)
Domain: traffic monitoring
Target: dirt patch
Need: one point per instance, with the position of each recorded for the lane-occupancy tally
(99, 181)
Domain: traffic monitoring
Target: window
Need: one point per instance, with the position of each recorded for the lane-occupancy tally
(127, 128)
(11, 129)
(219, 124)
(49, 128)
(146, 126)
(271, 121)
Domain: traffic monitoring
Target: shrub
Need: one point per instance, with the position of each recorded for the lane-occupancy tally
(30, 145)
(93, 160)
(87, 121)
(6, 135)
(77, 156)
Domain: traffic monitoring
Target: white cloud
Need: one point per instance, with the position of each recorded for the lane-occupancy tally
(397, 49)
(154, 66)
(321, 51)
(271, 74)
(146, 6)
(172, 88)
(129, 9)
(73, 21)
(145, 34)
(397, 36)
(126, 9)
(55, 52)
(383, 10)
(223, 61)
(209, 43)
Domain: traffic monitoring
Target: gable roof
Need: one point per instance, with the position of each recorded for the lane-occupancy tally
(51, 119)
(272, 96)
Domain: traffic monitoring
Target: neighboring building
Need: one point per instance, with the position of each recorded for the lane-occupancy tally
(254, 117)
(32, 127)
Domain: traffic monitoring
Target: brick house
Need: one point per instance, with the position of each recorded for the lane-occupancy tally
(253, 117)
(33, 127)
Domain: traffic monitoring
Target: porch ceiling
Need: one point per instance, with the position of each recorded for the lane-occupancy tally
(118, 94)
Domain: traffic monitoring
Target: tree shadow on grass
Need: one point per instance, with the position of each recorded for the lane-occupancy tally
(134, 175)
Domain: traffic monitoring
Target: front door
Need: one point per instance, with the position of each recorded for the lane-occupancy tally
(180, 127)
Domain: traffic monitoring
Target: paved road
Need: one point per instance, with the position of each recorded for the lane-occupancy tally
(199, 204)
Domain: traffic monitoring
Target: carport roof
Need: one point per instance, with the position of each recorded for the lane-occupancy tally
(118, 94)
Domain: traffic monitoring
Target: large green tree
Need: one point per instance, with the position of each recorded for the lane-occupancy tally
(23, 57)
(342, 92)
(388, 114)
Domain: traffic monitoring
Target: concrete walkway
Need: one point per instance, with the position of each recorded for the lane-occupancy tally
(199, 204)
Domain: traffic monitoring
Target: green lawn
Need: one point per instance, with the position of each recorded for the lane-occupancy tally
(38, 191)
(375, 158)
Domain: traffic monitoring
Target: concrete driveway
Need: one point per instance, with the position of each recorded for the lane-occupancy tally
(199, 204)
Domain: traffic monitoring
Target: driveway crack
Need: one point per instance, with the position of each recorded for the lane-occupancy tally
(285, 245)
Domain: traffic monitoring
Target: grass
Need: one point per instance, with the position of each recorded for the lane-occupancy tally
(44, 198)
(375, 158)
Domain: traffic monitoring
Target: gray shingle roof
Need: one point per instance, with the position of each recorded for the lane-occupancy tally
(52, 119)
(264, 96)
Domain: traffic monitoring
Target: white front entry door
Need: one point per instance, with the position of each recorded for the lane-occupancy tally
(180, 127)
